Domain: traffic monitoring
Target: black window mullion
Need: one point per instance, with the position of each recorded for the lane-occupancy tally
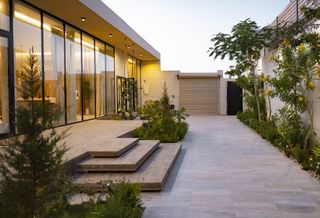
(11, 74)
(65, 73)
(81, 85)
(105, 79)
(42, 59)
(95, 74)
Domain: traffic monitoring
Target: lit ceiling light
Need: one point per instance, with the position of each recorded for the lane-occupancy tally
(141, 55)
(83, 19)
(31, 21)
(129, 47)
(110, 35)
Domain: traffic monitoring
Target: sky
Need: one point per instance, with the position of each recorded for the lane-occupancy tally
(181, 29)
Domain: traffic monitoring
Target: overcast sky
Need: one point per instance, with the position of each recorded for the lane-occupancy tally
(181, 29)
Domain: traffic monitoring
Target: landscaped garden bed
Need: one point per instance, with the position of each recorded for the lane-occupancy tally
(294, 51)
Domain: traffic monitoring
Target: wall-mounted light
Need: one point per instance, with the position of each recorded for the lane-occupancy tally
(110, 35)
(83, 19)
(129, 47)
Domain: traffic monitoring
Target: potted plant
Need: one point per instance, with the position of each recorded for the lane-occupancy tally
(86, 96)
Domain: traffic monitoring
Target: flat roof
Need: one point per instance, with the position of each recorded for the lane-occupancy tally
(198, 75)
(100, 22)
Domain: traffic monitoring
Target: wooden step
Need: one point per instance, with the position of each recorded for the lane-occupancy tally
(129, 161)
(151, 175)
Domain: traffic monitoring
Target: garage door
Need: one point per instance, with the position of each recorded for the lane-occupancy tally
(200, 96)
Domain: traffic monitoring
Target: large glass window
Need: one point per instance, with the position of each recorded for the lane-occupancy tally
(4, 15)
(101, 104)
(79, 75)
(53, 43)
(110, 81)
(27, 37)
(88, 76)
(4, 94)
(73, 75)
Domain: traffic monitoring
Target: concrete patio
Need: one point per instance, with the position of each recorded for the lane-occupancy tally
(226, 170)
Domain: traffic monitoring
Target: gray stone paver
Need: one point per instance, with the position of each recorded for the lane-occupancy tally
(226, 170)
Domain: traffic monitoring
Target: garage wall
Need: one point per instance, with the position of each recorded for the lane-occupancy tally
(200, 95)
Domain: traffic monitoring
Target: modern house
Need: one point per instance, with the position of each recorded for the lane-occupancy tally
(86, 55)
(289, 15)
(83, 50)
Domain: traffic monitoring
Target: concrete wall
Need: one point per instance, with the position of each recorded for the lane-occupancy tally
(153, 80)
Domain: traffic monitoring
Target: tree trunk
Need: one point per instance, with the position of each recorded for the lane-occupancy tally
(256, 94)
(270, 110)
(310, 131)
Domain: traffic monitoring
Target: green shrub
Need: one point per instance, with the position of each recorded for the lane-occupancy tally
(124, 202)
(268, 131)
(163, 124)
(287, 137)
(149, 110)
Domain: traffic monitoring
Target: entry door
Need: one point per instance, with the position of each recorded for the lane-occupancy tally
(234, 99)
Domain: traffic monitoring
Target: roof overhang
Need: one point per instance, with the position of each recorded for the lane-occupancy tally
(100, 22)
(197, 75)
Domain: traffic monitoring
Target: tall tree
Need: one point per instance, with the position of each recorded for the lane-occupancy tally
(34, 183)
(244, 45)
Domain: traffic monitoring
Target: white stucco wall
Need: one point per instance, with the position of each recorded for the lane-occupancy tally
(223, 93)
(266, 66)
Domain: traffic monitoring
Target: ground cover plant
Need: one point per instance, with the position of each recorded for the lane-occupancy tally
(123, 201)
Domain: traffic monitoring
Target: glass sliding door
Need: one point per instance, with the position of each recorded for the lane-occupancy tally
(73, 75)
(53, 43)
(101, 88)
(110, 80)
(27, 37)
(88, 87)
(4, 88)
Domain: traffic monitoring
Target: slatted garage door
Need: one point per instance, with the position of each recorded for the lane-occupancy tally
(200, 96)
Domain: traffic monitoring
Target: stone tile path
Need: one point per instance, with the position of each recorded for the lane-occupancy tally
(226, 170)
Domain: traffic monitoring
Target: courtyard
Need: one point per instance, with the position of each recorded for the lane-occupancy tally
(225, 169)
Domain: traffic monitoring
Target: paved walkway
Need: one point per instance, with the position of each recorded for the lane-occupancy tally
(226, 170)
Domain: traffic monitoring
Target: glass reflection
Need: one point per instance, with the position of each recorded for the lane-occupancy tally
(4, 94)
(73, 75)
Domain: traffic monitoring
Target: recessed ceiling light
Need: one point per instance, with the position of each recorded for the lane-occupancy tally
(129, 47)
(141, 55)
(83, 19)
(110, 35)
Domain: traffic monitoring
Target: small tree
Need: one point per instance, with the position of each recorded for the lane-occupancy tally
(34, 183)
(244, 45)
(293, 82)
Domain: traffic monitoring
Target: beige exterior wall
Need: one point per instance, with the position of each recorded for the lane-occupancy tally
(153, 80)
(120, 62)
